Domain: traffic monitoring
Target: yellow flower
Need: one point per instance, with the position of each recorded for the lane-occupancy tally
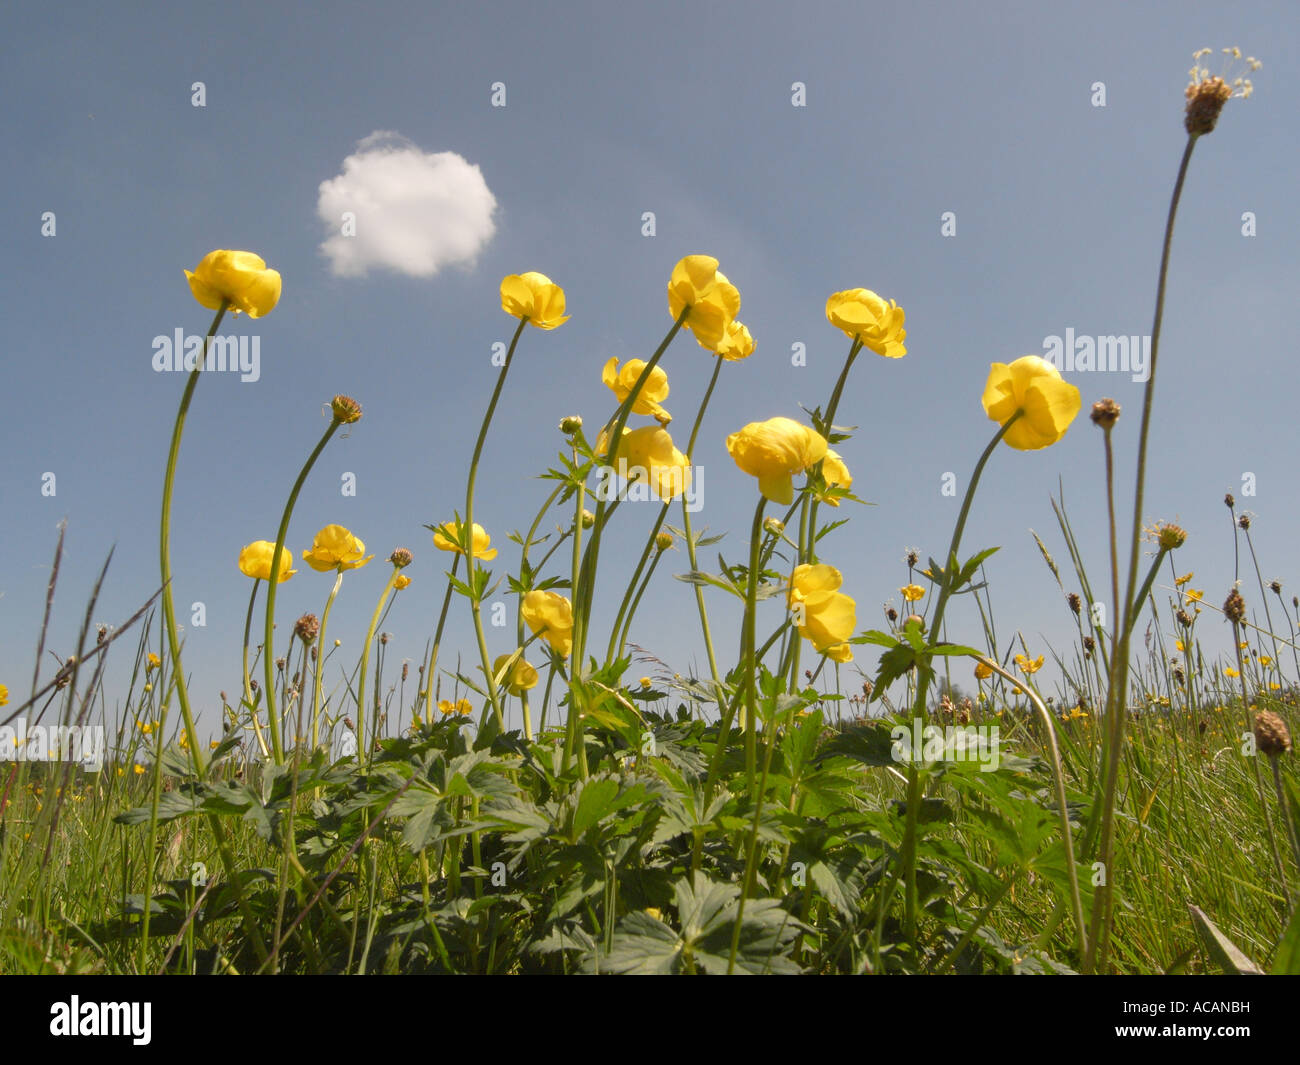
(534, 296)
(152, 661)
(335, 548)
(645, 682)
(655, 912)
(653, 392)
(829, 616)
(912, 592)
(255, 562)
(1228, 671)
(462, 706)
(1032, 385)
(519, 679)
(1178, 645)
(401, 581)
(4, 695)
(550, 615)
(447, 538)
(982, 671)
(775, 450)
(864, 316)
(138, 769)
(1179, 582)
(649, 452)
(1265, 660)
(736, 343)
(145, 726)
(1195, 595)
(713, 300)
(239, 277)
(836, 475)
(841, 652)
(1027, 666)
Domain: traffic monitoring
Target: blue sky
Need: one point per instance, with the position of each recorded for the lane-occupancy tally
(612, 111)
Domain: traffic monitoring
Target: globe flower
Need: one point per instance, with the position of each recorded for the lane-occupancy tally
(836, 475)
(255, 561)
(519, 679)
(447, 538)
(237, 277)
(649, 452)
(653, 392)
(535, 297)
(864, 316)
(841, 653)
(736, 343)
(401, 581)
(829, 616)
(550, 615)
(983, 671)
(1033, 386)
(335, 548)
(713, 300)
(775, 450)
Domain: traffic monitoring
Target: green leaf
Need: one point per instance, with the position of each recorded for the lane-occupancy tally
(1221, 949)
(1286, 960)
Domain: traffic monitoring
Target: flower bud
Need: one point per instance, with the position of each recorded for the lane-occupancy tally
(663, 540)
(570, 425)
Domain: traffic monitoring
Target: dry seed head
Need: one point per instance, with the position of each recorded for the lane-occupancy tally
(1276, 586)
(1228, 501)
(1271, 735)
(1105, 413)
(1234, 607)
(306, 628)
(1184, 619)
(345, 409)
(1076, 604)
(1243, 522)
(401, 558)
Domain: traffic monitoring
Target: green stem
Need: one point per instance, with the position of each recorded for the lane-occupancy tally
(437, 641)
(268, 638)
(914, 786)
(467, 532)
(364, 758)
(165, 533)
(318, 700)
(248, 685)
(1117, 687)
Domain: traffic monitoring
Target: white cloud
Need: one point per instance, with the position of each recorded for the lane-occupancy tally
(415, 212)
